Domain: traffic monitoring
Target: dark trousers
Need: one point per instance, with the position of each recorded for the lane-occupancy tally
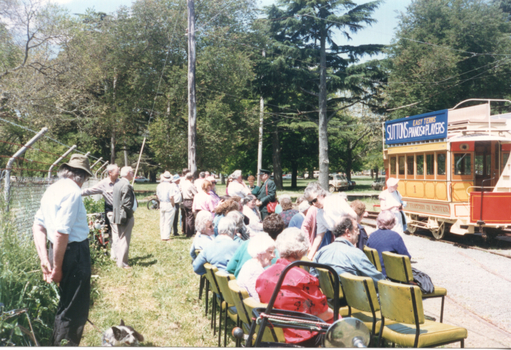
(176, 219)
(74, 290)
(263, 211)
(189, 219)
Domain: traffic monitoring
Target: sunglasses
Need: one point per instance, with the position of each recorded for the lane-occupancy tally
(313, 201)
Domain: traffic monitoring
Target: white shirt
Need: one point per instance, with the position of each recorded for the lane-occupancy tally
(391, 199)
(62, 211)
(166, 190)
(334, 208)
(237, 189)
(255, 219)
(248, 275)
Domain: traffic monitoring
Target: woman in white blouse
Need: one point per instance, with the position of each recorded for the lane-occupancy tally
(250, 210)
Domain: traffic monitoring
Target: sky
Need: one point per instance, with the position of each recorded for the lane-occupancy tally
(381, 32)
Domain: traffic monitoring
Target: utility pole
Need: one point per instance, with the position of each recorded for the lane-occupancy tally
(192, 106)
(125, 154)
(260, 143)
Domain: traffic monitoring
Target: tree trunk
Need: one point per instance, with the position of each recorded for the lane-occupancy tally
(323, 122)
(277, 165)
(192, 106)
(294, 174)
(112, 148)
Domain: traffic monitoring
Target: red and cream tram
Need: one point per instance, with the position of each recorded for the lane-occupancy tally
(454, 168)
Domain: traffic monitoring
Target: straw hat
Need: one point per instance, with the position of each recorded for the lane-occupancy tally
(392, 181)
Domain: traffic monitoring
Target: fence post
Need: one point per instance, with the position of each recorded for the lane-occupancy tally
(96, 173)
(8, 167)
(87, 154)
(58, 160)
(103, 174)
(93, 165)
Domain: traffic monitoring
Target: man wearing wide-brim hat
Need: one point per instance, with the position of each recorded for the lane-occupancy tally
(266, 193)
(166, 191)
(62, 220)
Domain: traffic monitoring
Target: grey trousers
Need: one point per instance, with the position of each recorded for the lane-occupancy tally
(113, 232)
(121, 242)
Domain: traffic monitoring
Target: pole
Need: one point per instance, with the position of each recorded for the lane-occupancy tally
(101, 167)
(87, 154)
(260, 143)
(125, 155)
(58, 160)
(138, 162)
(260, 146)
(192, 107)
(8, 167)
(93, 165)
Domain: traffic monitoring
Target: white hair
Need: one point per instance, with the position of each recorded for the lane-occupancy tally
(111, 167)
(202, 219)
(292, 243)
(227, 226)
(303, 206)
(314, 188)
(125, 170)
(75, 174)
(259, 244)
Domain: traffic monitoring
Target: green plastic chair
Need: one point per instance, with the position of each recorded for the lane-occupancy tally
(399, 269)
(326, 283)
(403, 304)
(374, 258)
(228, 306)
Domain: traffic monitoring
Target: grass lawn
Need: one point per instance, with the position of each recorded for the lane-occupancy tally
(159, 295)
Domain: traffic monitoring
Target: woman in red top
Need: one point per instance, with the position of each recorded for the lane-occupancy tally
(299, 291)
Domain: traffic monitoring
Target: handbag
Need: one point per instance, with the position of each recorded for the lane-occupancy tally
(270, 207)
(423, 281)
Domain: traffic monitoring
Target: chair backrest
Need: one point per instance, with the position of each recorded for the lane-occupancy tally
(270, 334)
(397, 267)
(210, 275)
(360, 292)
(238, 294)
(326, 283)
(374, 258)
(305, 258)
(223, 279)
(401, 302)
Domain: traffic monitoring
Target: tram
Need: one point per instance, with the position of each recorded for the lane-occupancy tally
(454, 169)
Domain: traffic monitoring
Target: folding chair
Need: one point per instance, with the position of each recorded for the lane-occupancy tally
(223, 279)
(217, 298)
(326, 284)
(403, 304)
(373, 256)
(399, 269)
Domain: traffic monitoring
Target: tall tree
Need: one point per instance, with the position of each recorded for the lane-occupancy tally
(446, 51)
(305, 30)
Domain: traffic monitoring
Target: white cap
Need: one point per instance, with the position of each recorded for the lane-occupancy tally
(166, 176)
(236, 174)
(392, 181)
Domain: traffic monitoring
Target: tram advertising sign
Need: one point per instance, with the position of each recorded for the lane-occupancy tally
(422, 127)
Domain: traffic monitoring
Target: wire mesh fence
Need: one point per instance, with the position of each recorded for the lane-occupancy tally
(25, 199)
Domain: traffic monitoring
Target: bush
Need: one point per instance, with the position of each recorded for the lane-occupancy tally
(22, 285)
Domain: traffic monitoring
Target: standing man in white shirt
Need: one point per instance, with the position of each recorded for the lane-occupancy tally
(106, 188)
(165, 192)
(178, 198)
(237, 187)
(62, 220)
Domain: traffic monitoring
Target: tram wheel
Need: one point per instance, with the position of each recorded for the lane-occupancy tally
(439, 232)
(412, 228)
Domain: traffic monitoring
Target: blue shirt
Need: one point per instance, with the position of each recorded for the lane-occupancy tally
(62, 211)
(218, 254)
(345, 257)
(297, 220)
(387, 241)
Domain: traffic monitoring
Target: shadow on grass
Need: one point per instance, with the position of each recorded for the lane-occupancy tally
(141, 260)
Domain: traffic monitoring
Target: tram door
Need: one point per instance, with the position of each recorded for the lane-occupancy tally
(482, 164)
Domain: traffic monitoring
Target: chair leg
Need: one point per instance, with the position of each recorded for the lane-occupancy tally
(201, 287)
(442, 310)
(213, 317)
(207, 296)
(462, 343)
(220, 327)
(238, 341)
(225, 324)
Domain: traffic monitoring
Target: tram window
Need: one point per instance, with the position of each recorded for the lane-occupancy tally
(401, 165)
(440, 163)
(488, 165)
(420, 164)
(462, 164)
(430, 164)
(409, 164)
(393, 166)
(479, 164)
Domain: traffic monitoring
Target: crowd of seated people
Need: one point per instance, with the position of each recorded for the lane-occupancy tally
(324, 228)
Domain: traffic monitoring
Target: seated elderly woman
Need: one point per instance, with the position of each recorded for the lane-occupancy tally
(299, 291)
(205, 233)
(386, 240)
(287, 210)
(251, 211)
(262, 250)
(228, 205)
(203, 200)
(241, 230)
